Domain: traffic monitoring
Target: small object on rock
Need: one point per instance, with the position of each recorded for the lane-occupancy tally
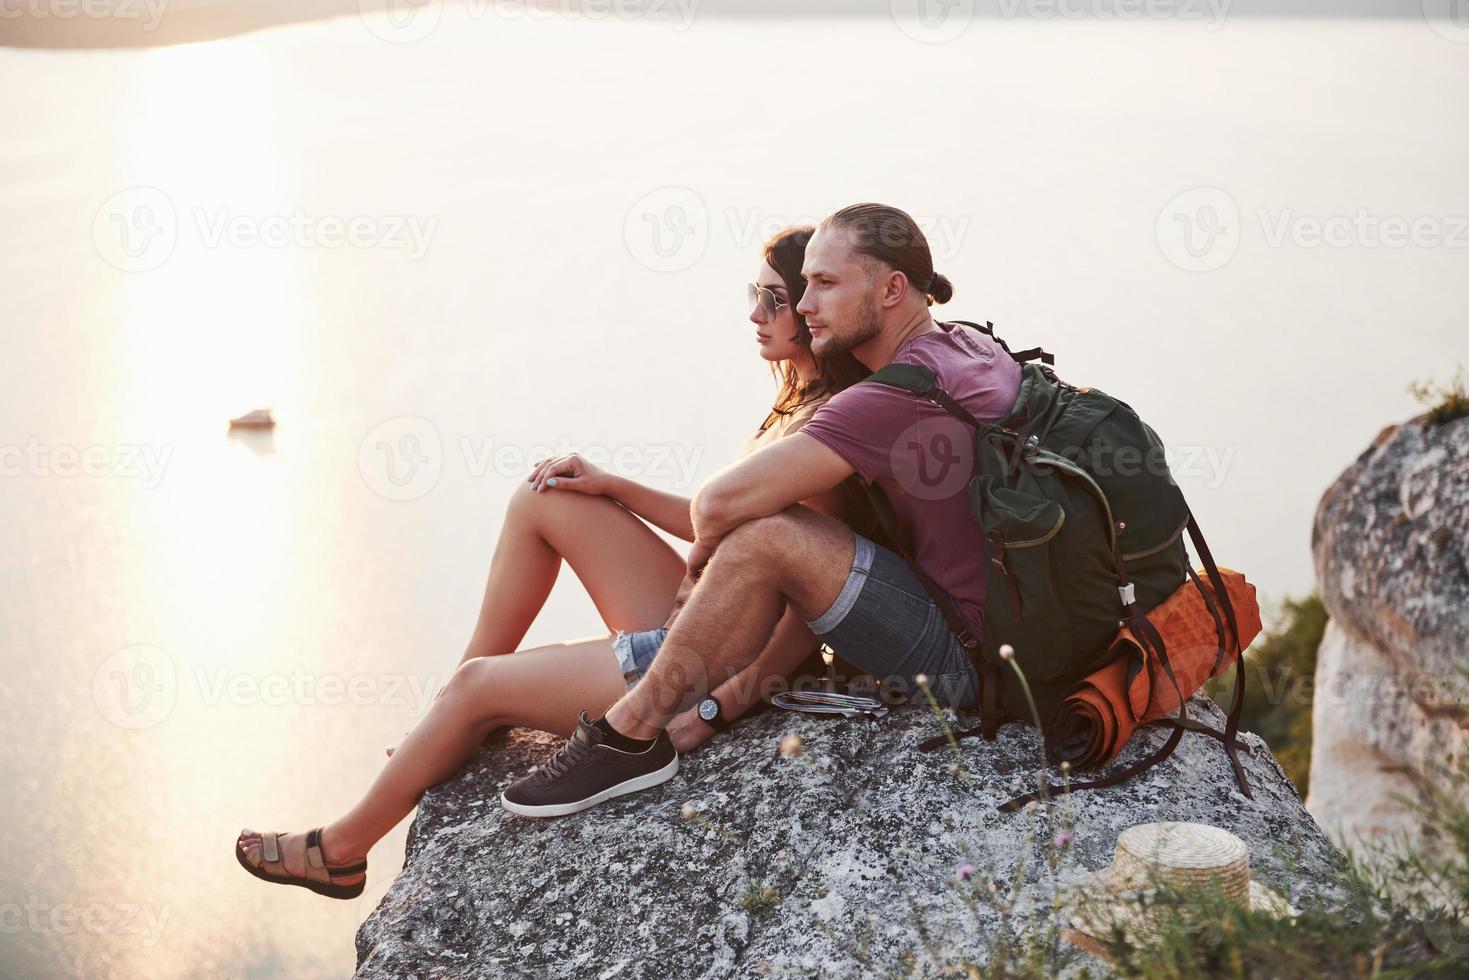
(1183, 854)
(260, 418)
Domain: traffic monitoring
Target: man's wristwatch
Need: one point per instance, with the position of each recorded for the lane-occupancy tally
(711, 713)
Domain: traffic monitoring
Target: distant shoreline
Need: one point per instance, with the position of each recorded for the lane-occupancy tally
(162, 23)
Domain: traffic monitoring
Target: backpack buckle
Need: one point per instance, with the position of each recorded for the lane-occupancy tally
(1128, 593)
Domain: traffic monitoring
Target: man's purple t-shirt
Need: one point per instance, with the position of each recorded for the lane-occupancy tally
(923, 457)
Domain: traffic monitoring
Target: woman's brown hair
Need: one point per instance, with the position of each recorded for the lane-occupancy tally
(786, 253)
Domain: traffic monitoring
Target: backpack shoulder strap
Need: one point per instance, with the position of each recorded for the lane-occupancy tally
(921, 381)
(909, 377)
(1031, 354)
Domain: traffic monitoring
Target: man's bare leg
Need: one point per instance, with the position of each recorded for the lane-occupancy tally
(799, 557)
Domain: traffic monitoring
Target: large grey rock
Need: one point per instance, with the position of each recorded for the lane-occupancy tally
(1390, 543)
(857, 840)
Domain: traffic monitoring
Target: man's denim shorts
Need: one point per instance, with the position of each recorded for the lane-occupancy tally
(635, 652)
(883, 622)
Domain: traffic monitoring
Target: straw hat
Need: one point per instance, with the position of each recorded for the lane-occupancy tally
(1184, 855)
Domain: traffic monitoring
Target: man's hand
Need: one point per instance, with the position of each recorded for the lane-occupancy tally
(688, 731)
(699, 556)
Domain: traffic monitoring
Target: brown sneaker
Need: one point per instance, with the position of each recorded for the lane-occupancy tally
(586, 771)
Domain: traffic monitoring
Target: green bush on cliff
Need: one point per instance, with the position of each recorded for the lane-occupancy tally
(1280, 669)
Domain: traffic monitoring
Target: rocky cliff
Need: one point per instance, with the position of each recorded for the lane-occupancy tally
(839, 862)
(1391, 546)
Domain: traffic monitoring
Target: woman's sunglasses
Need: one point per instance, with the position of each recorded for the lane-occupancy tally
(764, 298)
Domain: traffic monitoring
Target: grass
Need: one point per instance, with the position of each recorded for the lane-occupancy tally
(1279, 683)
(1446, 403)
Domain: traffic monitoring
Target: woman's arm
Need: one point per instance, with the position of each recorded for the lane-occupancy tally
(574, 473)
(667, 510)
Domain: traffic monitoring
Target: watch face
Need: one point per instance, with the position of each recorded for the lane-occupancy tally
(709, 709)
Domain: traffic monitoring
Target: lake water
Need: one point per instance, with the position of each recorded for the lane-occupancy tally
(434, 258)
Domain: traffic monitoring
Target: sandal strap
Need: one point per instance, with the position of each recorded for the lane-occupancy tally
(270, 848)
(316, 860)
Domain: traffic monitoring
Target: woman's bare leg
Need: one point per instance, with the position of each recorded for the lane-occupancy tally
(541, 688)
(630, 572)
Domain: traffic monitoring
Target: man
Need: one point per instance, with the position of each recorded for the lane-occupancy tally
(871, 283)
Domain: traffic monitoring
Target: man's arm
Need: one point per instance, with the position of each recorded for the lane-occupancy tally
(786, 472)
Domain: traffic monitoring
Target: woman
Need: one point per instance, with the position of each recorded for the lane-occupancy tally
(571, 510)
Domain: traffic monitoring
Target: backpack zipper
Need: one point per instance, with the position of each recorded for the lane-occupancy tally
(1043, 538)
(1154, 550)
(1046, 458)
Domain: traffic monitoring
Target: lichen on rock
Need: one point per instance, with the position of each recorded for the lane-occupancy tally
(837, 862)
(1391, 546)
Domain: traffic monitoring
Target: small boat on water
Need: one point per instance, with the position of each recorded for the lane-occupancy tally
(258, 419)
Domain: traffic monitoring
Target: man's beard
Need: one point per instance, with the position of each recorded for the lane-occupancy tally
(864, 328)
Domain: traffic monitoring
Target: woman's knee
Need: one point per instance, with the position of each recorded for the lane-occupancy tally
(531, 508)
(473, 684)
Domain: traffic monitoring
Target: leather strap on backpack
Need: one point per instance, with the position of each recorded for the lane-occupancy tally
(1148, 635)
(1231, 727)
(1032, 354)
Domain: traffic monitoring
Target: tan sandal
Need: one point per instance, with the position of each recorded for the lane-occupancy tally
(318, 875)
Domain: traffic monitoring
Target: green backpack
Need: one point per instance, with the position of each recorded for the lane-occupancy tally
(1085, 526)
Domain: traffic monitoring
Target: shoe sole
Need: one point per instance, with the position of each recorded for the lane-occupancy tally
(645, 781)
(343, 892)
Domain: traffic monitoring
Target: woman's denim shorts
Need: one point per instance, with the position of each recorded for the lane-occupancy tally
(635, 652)
(883, 622)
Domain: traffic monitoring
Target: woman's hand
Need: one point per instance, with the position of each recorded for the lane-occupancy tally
(571, 472)
(687, 731)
